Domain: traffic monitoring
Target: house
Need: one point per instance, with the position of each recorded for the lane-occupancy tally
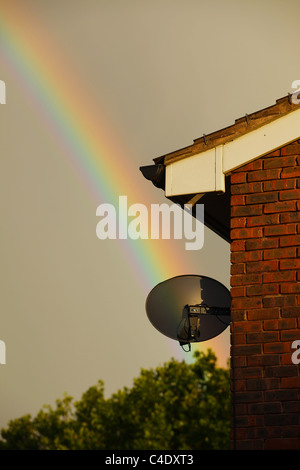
(248, 177)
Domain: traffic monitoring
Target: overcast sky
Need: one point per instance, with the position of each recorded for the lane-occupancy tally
(158, 74)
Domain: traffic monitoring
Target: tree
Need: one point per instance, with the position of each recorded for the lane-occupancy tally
(177, 406)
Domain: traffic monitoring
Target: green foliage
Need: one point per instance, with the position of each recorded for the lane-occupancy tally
(178, 406)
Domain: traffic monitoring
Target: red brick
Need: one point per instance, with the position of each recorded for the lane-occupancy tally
(273, 301)
(244, 256)
(279, 253)
(271, 324)
(288, 370)
(289, 288)
(262, 266)
(282, 444)
(283, 419)
(259, 198)
(291, 194)
(279, 324)
(238, 178)
(254, 165)
(247, 350)
(282, 206)
(264, 408)
(246, 326)
(291, 149)
(289, 264)
(286, 358)
(292, 407)
(240, 385)
(293, 172)
(290, 311)
(239, 339)
(280, 301)
(246, 279)
(262, 175)
(279, 276)
(290, 240)
(237, 245)
(275, 153)
(279, 184)
(249, 397)
(262, 220)
(281, 229)
(236, 222)
(289, 217)
(237, 268)
(252, 444)
(279, 162)
(282, 395)
(263, 289)
(246, 303)
(277, 347)
(263, 313)
(247, 188)
(290, 382)
(287, 323)
(261, 243)
(237, 200)
(263, 360)
(290, 335)
(246, 372)
(238, 291)
(262, 337)
(240, 361)
(246, 233)
(238, 315)
(240, 211)
(241, 409)
(262, 384)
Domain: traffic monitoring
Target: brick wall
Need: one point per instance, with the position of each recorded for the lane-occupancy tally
(265, 289)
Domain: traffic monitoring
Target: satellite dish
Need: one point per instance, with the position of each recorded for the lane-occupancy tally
(189, 308)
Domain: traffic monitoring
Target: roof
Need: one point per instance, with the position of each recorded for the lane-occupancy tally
(242, 126)
(201, 171)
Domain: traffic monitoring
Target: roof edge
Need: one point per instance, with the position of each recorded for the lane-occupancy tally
(242, 126)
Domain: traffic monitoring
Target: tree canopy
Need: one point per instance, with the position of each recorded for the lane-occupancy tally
(177, 406)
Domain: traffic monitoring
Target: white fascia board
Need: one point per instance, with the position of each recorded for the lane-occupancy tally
(205, 172)
(199, 173)
(263, 140)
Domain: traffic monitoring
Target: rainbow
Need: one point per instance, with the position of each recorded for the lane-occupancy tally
(53, 86)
